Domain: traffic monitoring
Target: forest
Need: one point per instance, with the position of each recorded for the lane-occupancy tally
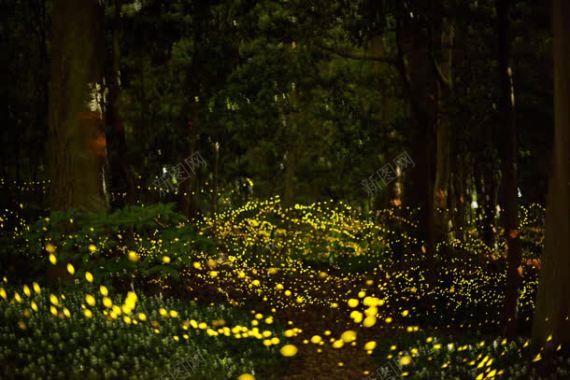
(284, 189)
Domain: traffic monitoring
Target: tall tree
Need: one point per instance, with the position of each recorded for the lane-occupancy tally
(508, 153)
(195, 83)
(443, 67)
(121, 178)
(77, 143)
(553, 301)
(416, 69)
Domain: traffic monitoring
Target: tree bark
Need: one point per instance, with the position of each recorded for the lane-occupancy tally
(553, 300)
(420, 83)
(508, 152)
(489, 203)
(215, 176)
(77, 142)
(443, 131)
(459, 198)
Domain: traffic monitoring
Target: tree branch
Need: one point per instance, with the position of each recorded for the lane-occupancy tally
(440, 76)
(357, 56)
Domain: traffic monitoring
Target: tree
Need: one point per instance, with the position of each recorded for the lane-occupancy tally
(121, 178)
(443, 127)
(553, 299)
(418, 76)
(508, 153)
(77, 143)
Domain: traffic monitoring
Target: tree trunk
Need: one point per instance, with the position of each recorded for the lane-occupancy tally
(122, 182)
(443, 132)
(289, 181)
(391, 195)
(415, 68)
(77, 143)
(290, 123)
(489, 204)
(186, 201)
(459, 199)
(215, 176)
(553, 300)
(508, 152)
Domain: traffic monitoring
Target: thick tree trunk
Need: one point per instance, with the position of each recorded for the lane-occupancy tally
(77, 143)
(508, 153)
(391, 195)
(553, 300)
(415, 68)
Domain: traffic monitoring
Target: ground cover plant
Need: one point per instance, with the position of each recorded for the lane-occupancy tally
(264, 290)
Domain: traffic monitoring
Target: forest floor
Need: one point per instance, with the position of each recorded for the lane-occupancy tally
(262, 291)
